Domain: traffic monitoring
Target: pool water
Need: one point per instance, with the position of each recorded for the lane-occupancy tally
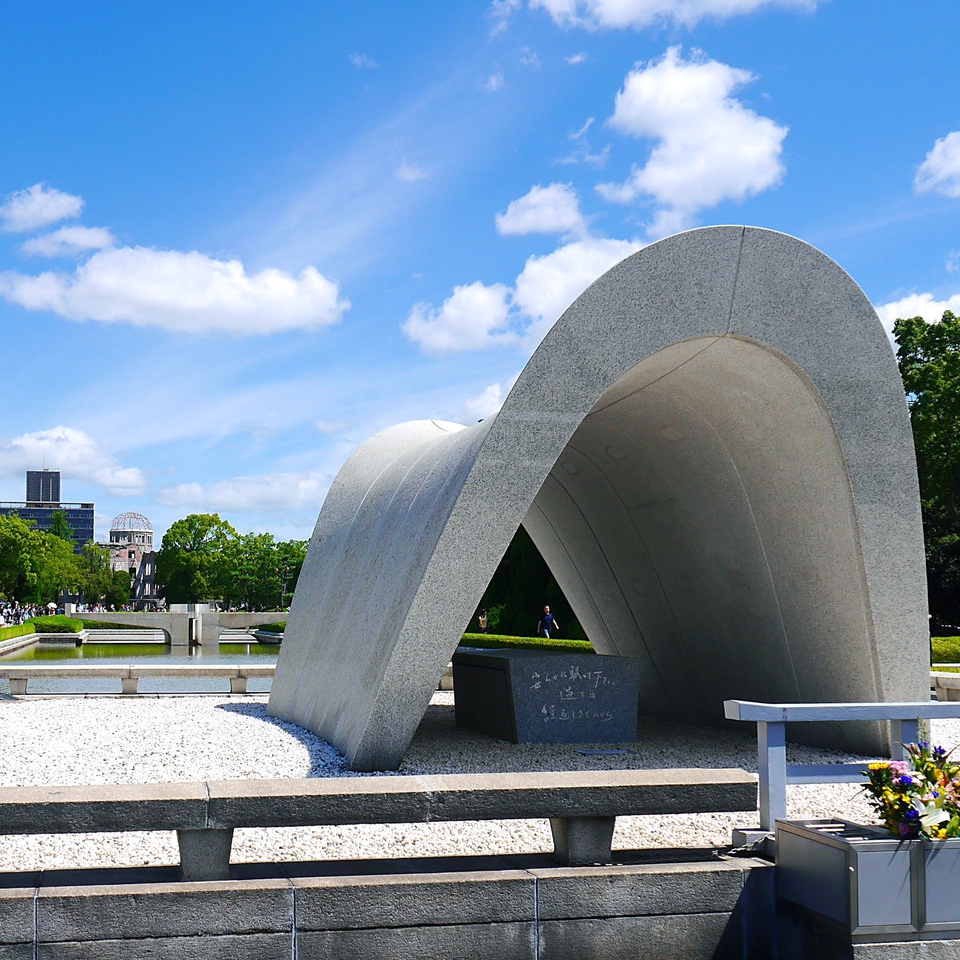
(252, 652)
(107, 653)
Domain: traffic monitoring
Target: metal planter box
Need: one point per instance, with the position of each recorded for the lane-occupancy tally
(874, 886)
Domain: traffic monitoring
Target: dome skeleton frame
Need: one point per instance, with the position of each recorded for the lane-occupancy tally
(132, 522)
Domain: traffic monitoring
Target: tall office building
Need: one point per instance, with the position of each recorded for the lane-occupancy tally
(43, 486)
(43, 501)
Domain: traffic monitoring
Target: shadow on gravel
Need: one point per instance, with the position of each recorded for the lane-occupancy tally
(440, 746)
(325, 760)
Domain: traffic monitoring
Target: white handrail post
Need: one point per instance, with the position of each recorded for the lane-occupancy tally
(772, 768)
(903, 732)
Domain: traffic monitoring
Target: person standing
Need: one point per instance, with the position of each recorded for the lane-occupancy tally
(483, 621)
(547, 624)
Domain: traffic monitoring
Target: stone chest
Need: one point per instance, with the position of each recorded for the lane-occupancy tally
(527, 696)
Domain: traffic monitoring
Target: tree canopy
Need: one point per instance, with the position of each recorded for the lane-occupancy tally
(60, 526)
(929, 358)
(35, 567)
(99, 582)
(202, 557)
(518, 591)
(186, 561)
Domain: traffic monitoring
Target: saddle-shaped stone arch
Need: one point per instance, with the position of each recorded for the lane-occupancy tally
(711, 450)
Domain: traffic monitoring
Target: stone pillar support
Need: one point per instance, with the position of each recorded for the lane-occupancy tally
(583, 840)
(205, 854)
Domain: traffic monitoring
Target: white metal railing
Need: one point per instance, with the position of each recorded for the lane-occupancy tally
(771, 720)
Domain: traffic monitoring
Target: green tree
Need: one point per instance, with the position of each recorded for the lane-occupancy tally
(518, 590)
(57, 571)
(96, 581)
(202, 557)
(290, 557)
(929, 358)
(189, 562)
(119, 591)
(258, 573)
(60, 526)
(35, 567)
(19, 557)
(248, 572)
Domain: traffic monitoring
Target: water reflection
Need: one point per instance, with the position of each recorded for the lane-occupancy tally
(146, 652)
(142, 652)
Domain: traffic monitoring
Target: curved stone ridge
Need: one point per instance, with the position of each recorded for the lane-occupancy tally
(712, 452)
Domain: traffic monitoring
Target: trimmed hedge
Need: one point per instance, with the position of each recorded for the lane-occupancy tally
(16, 630)
(945, 649)
(55, 624)
(100, 625)
(272, 627)
(494, 641)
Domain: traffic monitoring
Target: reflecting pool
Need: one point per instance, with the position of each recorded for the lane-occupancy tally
(141, 652)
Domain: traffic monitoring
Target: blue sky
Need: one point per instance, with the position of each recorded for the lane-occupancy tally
(237, 240)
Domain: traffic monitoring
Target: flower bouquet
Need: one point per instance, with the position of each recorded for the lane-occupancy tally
(919, 797)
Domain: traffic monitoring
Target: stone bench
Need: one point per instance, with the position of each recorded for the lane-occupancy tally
(129, 675)
(945, 685)
(582, 806)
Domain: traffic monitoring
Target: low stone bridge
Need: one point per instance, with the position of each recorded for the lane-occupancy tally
(196, 625)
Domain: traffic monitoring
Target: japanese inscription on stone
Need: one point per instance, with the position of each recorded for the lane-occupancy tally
(530, 697)
(571, 693)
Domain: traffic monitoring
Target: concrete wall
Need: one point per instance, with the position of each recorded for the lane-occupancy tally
(712, 450)
(685, 911)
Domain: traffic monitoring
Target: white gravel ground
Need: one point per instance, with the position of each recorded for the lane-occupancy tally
(74, 740)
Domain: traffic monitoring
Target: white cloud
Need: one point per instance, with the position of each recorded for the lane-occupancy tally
(363, 62)
(582, 152)
(501, 11)
(69, 241)
(73, 452)
(484, 404)
(475, 316)
(576, 59)
(495, 82)
(410, 171)
(584, 130)
(331, 426)
(183, 292)
(596, 14)
(551, 209)
(549, 284)
(36, 207)
(269, 491)
(529, 58)
(940, 172)
(916, 305)
(710, 146)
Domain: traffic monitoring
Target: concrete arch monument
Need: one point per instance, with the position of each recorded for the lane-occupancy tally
(711, 450)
